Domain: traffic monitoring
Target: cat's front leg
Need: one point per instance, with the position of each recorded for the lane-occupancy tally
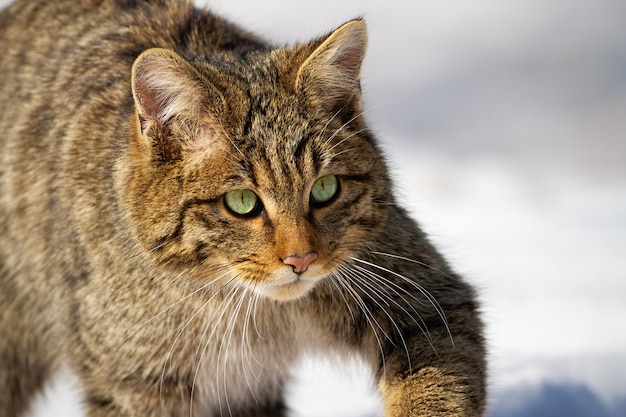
(430, 391)
(428, 379)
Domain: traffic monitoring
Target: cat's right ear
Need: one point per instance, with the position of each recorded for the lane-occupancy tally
(168, 90)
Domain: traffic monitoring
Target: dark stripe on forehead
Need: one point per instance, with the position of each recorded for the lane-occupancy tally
(300, 147)
(249, 118)
(247, 124)
(251, 173)
(280, 167)
(307, 154)
(316, 158)
(263, 165)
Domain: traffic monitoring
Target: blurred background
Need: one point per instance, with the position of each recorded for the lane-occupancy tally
(505, 125)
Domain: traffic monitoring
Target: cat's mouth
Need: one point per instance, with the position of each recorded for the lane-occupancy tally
(291, 287)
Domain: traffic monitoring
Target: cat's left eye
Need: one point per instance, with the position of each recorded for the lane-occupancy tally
(242, 202)
(324, 190)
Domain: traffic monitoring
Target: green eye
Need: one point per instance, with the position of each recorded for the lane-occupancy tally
(242, 202)
(324, 190)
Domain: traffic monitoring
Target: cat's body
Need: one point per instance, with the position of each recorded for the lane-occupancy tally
(179, 225)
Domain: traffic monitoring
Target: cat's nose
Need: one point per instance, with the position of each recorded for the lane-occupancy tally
(300, 263)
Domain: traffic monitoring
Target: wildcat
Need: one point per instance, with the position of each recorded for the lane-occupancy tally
(186, 209)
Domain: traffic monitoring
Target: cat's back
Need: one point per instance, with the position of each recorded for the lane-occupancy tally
(46, 45)
(39, 37)
(58, 59)
(65, 82)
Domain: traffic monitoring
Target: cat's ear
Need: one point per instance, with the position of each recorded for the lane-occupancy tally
(331, 73)
(172, 98)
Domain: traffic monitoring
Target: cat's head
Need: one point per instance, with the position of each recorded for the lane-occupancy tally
(255, 169)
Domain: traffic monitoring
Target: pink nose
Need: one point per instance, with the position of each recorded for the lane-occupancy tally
(299, 263)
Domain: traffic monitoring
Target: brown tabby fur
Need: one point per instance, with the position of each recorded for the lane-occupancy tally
(119, 259)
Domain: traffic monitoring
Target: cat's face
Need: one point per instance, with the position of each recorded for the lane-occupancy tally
(270, 186)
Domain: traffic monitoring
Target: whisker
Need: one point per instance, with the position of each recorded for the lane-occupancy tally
(411, 260)
(182, 330)
(335, 155)
(338, 276)
(364, 112)
(346, 138)
(232, 142)
(221, 308)
(415, 285)
(346, 279)
(388, 284)
(363, 285)
(142, 253)
(336, 132)
(256, 327)
(250, 314)
(214, 325)
(165, 310)
(345, 300)
(334, 116)
(428, 295)
(246, 347)
(230, 332)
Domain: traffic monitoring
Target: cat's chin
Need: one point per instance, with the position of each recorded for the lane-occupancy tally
(289, 291)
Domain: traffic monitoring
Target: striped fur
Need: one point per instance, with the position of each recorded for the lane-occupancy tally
(123, 125)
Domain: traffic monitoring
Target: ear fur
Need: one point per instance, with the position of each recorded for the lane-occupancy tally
(172, 102)
(331, 74)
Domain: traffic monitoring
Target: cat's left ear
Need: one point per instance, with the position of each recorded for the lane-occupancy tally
(331, 74)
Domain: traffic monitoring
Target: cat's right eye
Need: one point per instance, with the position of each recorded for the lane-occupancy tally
(242, 203)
